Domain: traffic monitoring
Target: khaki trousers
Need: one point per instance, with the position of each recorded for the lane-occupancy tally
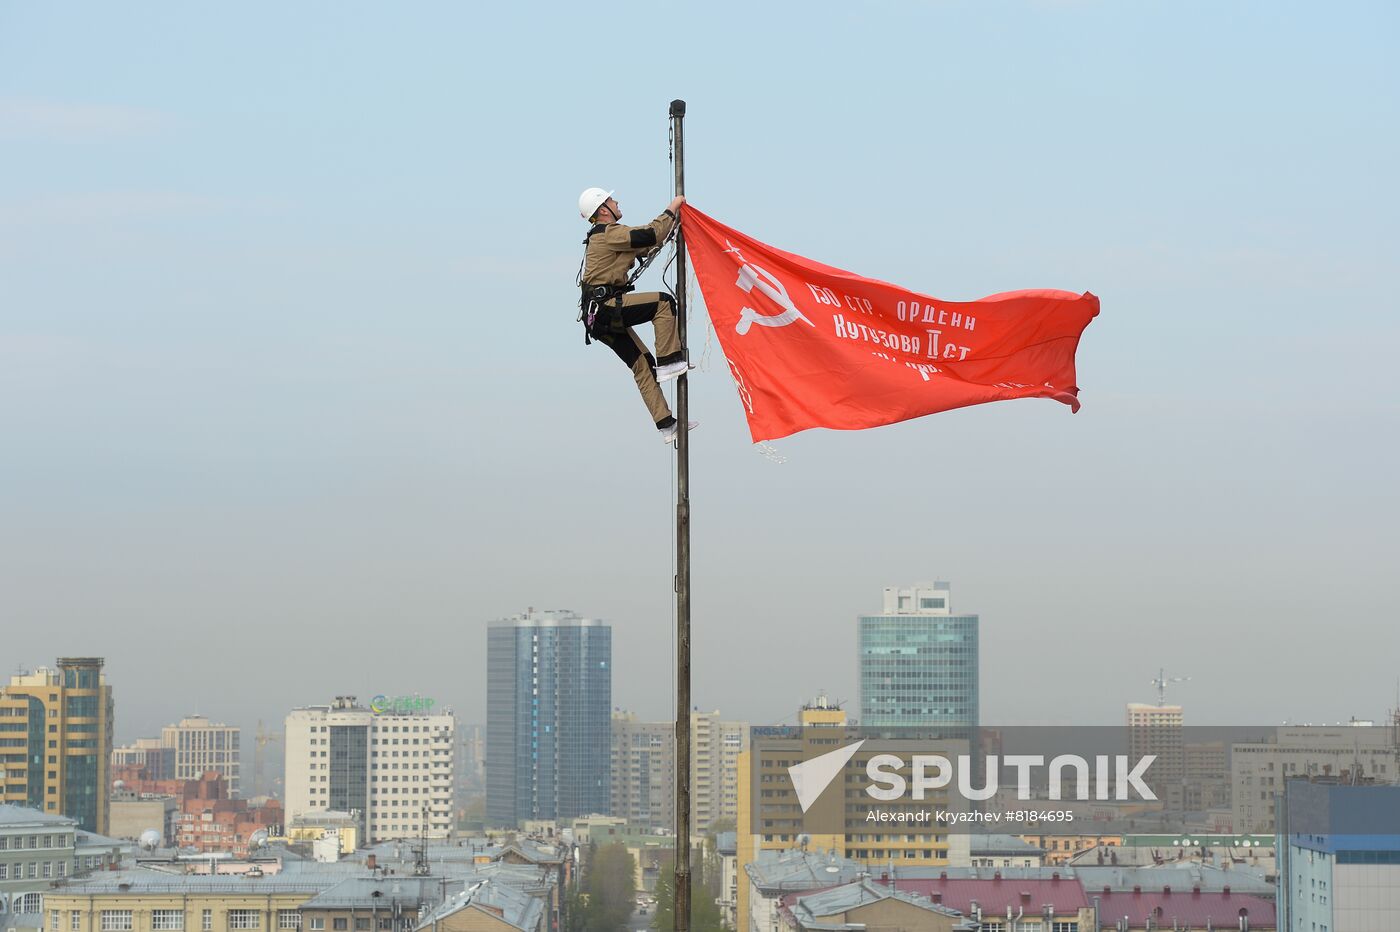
(613, 328)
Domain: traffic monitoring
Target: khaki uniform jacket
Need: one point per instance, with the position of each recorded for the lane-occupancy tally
(612, 248)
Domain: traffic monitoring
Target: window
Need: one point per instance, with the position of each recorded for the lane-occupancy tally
(288, 919)
(317, 924)
(46, 871)
(29, 903)
(243, 918)
(53, 921)
(361, 924)
(75, 920)
(167, 919)
(1058, 926)
(116, 920)
(339, 925)
(206, 920)
(4, 872)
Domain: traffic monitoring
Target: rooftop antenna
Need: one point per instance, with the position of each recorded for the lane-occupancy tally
(421, 867)
(1162, 681)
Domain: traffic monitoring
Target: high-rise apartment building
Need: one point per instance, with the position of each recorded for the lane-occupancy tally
(548, 729)
(918, 661)
(201, 746)
(1157, 730)
(391, 764)
(715, 746)
(56, 741)
(643, 772)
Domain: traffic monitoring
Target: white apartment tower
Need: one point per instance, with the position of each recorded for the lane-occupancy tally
(391, 764)
(201, 745)
(715, 746)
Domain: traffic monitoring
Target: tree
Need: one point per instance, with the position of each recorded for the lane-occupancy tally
(602, 900)
(704, 912)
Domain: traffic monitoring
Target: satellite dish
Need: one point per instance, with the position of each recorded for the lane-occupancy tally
(150, 839)
(119, 785)
(258, 839)
(803, 841)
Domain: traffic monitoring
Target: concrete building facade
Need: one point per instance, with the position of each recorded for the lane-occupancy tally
(643, 772)
(1258, 771)
(393, 767)
(715, 746)
(36, 849)
(201, 746)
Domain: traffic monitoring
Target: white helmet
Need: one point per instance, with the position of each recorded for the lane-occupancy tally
(590, 200)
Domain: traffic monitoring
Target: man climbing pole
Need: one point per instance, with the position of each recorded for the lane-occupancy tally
(610, 308)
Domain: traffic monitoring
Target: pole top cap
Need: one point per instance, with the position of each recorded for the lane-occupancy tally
(677, 108)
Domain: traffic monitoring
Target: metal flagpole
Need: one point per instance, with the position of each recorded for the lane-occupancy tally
(682, 860)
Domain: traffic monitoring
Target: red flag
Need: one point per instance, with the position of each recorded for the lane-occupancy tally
(814, 346)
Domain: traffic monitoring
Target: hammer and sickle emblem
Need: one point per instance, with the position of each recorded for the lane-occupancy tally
(752, 276)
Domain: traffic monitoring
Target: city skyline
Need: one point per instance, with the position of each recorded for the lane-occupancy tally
(174, 468)
(308, 469)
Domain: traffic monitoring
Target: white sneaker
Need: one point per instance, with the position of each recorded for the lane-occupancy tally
(672, 370)
(668, 435)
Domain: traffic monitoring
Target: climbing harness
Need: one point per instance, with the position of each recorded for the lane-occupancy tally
(594, 299)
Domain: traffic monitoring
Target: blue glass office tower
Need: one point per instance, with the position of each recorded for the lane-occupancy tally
(548, 717)
(918, 662)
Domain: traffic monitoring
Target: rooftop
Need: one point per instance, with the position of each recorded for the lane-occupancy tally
(369, 892)
(502, 900)
(807, 908)
(999, 893)
(12, 816)
(1222, 910)
(776, 871)
(144, 881)
(994, 843)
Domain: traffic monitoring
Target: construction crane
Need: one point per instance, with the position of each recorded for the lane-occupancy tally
(1161, 683)
(261, 740)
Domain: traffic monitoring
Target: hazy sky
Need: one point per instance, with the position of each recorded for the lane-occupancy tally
(292, 400)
